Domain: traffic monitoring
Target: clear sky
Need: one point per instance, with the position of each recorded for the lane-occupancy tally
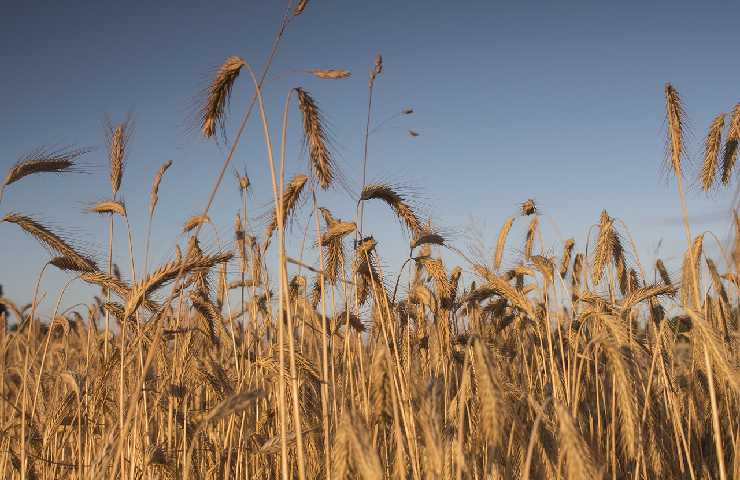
(559, 101)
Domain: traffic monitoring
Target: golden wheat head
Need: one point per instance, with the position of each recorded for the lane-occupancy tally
(51, 241)
(729, 154)
(43, 161)
(396, 201)
(291, 199)
(676, 118)
(217, 99)
(117, 137)
(711, 152)
(316, 139)
(154, 193)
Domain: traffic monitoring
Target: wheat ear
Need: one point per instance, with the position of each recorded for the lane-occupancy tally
(51, 240)
(316, 139)
(213, 113)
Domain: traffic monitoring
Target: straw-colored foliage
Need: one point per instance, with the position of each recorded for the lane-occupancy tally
(287, 359)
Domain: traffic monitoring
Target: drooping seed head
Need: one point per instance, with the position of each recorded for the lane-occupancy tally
(217, 99)
(316, 139)
(328, 217)
(51, 241)
(291, 199)
(70, 265)
(336, 231)
(427, 238)
(397, 202)
(43, 160)
(729, 155)
(109, 207)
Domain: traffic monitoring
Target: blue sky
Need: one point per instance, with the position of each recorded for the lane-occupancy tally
(559, 102)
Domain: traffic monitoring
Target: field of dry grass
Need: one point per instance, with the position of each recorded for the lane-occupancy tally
(585, 364)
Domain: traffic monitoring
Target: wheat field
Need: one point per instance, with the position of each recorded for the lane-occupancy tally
(250, 357)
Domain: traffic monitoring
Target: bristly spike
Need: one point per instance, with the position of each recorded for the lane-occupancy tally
(118, 137)
(397, 202)
(603, 251)
(711, 152)
(676, 118)
(316, 139)
(44, 161)
(331, 74)
(52, 241)
(213, 112)
(109, 207)
(729, 155)
(154, 193)
(291, 199)
(501, 243)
